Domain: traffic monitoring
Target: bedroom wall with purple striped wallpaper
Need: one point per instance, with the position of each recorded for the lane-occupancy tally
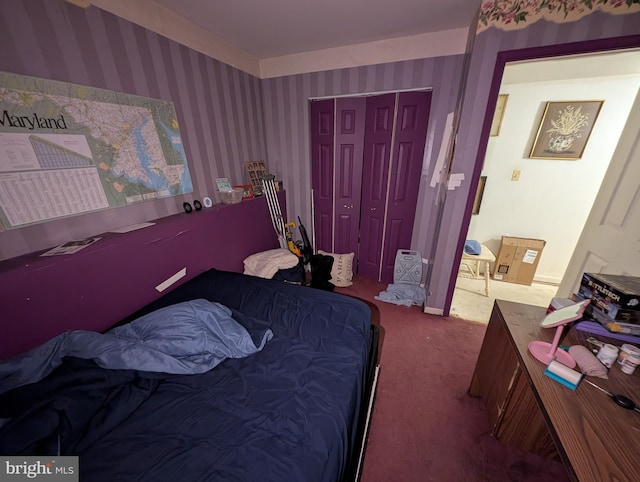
(228, 117)
(286, 109)
(286, 126)
(219, 108)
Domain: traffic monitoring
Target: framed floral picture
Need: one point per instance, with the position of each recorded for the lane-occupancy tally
(565, 129)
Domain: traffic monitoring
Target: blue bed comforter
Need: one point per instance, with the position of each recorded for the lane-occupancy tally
(286, 413)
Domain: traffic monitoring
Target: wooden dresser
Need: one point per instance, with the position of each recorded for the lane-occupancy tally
(596, 439)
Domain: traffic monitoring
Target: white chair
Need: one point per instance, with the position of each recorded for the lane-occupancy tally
(472, 263)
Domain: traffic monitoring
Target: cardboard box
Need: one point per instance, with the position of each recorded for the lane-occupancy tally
(518, 260)
(612, 293)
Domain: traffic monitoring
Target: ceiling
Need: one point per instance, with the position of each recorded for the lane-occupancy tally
(273, 28)
(272, 38)
(601, 64)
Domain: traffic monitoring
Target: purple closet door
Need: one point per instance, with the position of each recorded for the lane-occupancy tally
(350, 121)
(322, 143)
(377, 149)
(406, 167)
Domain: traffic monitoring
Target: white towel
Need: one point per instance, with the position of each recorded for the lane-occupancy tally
(267, 263)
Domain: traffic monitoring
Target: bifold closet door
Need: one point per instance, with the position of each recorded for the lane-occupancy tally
(375, 176)
(396, 132)
(322, 169)
(412, 116)
(337, 142)
(350, 125)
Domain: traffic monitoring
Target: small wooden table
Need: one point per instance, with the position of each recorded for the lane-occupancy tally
(485, 256)
(595, 438)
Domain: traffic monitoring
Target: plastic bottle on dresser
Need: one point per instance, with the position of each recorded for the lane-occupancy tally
(608, 354)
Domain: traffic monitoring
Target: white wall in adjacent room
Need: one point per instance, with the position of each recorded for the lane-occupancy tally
(552, 199)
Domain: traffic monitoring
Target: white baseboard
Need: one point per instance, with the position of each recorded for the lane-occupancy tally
(548, 280)
(433, 311)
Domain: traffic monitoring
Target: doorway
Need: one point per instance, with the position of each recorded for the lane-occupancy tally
(545, 199)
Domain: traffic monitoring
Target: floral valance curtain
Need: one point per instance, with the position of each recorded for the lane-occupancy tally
(519, 14)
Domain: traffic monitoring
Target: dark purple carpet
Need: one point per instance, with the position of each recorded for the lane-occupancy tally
(425, 426)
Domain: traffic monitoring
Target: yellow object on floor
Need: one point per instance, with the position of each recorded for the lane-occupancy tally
(472, 263)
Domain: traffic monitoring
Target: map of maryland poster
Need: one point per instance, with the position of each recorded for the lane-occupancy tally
(67, 149)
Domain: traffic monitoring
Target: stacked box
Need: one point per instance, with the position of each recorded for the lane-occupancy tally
(518, 259)
(617, 296)
(615, 301)
(614, 326)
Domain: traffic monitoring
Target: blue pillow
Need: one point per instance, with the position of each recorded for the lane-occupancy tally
(471, 246)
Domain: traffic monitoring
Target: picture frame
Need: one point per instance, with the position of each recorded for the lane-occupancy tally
(247, 190)
(255, 171)
(223, 184)
(498, 115)
(565, 129)
(479, 193)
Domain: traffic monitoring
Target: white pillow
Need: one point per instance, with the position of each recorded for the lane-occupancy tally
(342, 269)
(267, 263)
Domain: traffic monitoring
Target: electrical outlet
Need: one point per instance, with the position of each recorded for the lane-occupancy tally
(515, 176)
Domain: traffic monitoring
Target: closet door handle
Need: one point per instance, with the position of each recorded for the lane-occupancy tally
(348, 207)
(372, 209)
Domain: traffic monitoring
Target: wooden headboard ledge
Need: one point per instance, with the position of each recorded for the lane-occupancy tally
(93, 289)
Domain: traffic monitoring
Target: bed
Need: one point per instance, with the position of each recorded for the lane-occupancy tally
(295, 407)
(295, 410)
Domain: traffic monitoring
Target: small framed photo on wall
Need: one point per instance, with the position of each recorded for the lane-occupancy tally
(479, 193)
(255, 171)
(498, 115)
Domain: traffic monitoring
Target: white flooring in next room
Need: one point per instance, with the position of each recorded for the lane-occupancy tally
(470, 303)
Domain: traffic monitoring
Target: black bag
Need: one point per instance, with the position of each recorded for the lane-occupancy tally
(297, 274)
(321, 272)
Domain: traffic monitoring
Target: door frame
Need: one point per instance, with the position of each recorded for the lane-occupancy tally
(502, 58)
